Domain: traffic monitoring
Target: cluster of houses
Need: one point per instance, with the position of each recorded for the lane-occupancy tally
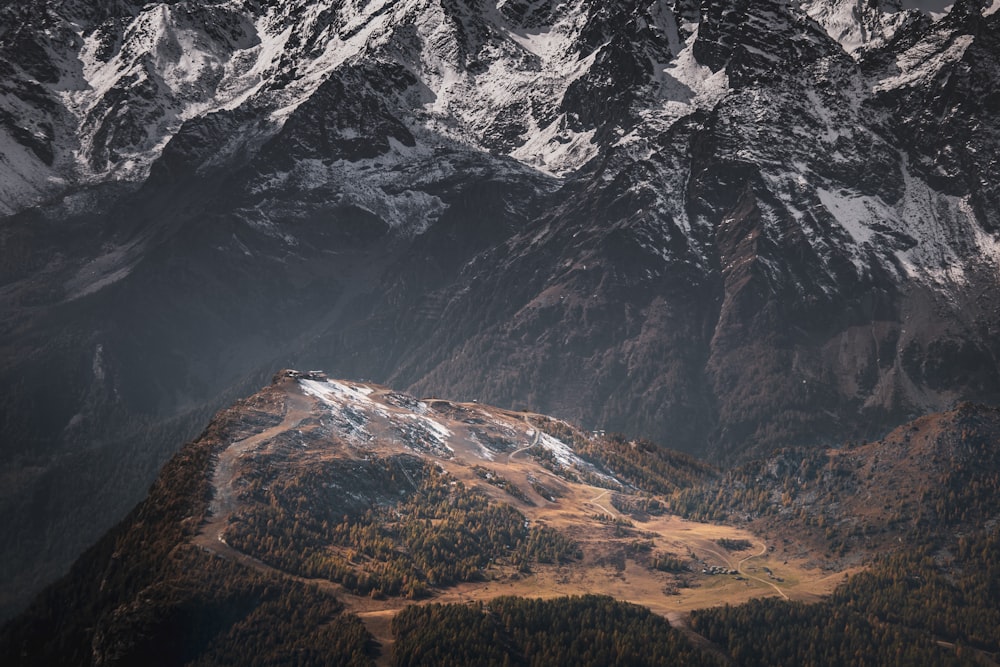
(319, 376)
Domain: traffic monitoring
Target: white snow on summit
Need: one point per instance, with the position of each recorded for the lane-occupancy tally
(925, 59)
(857, 26)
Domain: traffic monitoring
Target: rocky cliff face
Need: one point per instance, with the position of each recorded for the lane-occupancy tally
(726, 225)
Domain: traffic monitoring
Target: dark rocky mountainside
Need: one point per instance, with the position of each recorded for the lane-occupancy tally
(726, 226)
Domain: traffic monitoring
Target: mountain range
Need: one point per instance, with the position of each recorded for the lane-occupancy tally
(725, 226)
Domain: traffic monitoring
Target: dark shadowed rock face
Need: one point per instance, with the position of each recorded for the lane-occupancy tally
(728, 228)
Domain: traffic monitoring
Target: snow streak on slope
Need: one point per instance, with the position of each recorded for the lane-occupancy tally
(925, 59)
(26, 180)
(937, 253)
(365, 413)
(684, 85)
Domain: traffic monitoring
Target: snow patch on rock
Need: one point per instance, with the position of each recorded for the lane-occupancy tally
(949, 232)
(925, 59)
(26, 180)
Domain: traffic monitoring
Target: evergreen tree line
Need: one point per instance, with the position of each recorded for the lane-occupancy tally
(937, 604)
(441, 534)
(583, 631)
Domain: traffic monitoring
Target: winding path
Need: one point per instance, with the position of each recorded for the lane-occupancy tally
(534, 442)
(593, 501)
(299, 408)
(741, 562)
(739, 568)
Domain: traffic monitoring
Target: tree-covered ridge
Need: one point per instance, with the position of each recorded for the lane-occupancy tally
(143, 595)
(929, 478)
(769, 631)
(439, 533)
(582, 631)
(950, 589)
(935, 605)
(205, 610)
